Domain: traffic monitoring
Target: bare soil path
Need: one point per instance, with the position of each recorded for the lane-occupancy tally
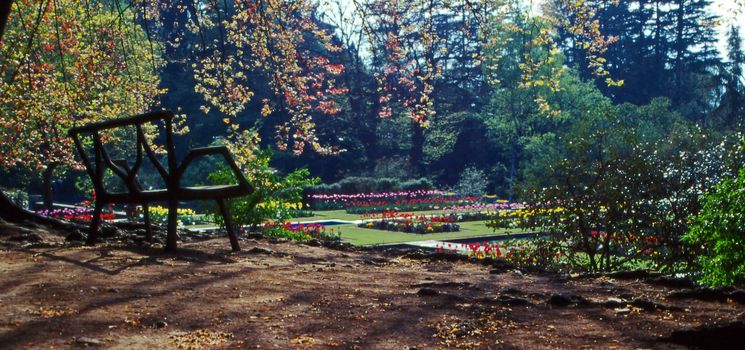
(294, 296)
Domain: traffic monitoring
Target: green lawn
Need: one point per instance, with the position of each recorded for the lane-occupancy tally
(329, 215)
(366, 236)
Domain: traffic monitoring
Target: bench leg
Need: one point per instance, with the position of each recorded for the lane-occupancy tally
(171, 235)
(95, 223)
(229, 225)
(146, 217)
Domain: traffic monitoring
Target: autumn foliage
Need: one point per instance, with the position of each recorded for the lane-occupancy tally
(66, 63)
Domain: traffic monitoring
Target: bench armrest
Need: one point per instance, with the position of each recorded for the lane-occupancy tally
(214, 150)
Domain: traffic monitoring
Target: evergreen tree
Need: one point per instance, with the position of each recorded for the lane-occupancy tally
(731, 110)
(663, 48)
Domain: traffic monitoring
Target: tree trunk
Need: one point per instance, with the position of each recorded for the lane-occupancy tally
(9, 211)
(417, 148)
(12, 213)
(513, 168)
(47, 180)
(4, 14)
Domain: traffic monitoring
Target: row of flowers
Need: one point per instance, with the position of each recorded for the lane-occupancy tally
(496, 206)
(83, 215)
(383, 195)
(403, 200)
(522, 253)
(417, 204)
(184, 216)
(342, 201)
(523, 218)
(411, 227)
(452, 216)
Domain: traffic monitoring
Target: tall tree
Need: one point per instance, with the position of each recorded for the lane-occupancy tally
(65, 63)
(663, 48)
(730, 113)
(249, 46)
(513, 115)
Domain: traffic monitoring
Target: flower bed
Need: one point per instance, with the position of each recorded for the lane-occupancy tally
(522, 218)
(446, 217)
(419, 204)
(185, 216)
(366, 203)
(522, 253)
(496, 206)
(413, 224)
(342, 201)
(300, 232)
(78, 215)
(467, 216)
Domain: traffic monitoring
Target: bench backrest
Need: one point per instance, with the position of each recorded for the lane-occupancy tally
(101, 161)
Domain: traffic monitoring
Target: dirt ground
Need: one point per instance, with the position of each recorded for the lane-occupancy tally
(294, 296)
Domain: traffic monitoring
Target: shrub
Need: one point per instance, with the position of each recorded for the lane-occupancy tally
(616, 187)
(472, 182)
(301, 232)
(417, 184)
(719, 230)
(275, 197)
(18, 197)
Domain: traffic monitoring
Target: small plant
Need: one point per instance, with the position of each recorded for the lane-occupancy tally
(185, 216)
(300, 232)
(473, 182)
(276, 197)
(719, 231)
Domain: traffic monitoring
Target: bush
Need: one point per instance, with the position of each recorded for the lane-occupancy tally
(417, 184)
(719, 230)
(472, 182)
(357, 184)
(617, 186)
(18, 197)
(275, 197)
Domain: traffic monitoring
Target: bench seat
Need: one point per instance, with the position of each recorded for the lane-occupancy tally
(171, 175)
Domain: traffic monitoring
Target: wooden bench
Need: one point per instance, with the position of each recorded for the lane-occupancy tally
(171, 174)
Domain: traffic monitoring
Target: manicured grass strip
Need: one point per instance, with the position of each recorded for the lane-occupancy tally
(329, 215)
(366, 236)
